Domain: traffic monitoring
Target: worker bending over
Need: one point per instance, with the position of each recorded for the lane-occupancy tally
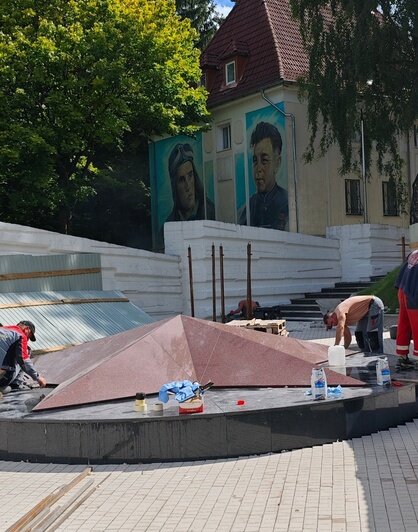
(15, 356)
(365, 311)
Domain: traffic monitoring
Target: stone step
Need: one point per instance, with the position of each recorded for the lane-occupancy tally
(303, 301)
(300, 307)
(328, 295)
(360, 284)
(307, 308)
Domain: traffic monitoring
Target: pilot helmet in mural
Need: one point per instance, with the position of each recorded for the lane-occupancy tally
(186, 187)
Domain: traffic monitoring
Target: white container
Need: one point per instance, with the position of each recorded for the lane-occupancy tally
(336, 355)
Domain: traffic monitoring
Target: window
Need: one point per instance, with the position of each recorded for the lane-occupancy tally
(224, 137)
(230, 73)
(390, 198)
(352, 197)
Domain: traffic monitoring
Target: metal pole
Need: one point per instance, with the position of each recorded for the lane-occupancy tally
(189, 253)
(363, 171)
(249, 296)
(221, 271)
(213, 285)
(403, 249)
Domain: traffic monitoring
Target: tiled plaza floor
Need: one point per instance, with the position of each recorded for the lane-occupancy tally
(365, 484)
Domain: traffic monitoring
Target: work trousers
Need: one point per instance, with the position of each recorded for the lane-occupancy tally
(9, 376)
(407, 326)
(370, 327)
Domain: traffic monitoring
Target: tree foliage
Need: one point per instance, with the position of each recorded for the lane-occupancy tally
(77, 76)
(203, 17)
(363, 63)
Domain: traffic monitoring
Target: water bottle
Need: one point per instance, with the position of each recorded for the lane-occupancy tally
(319, 384)
(383, 371)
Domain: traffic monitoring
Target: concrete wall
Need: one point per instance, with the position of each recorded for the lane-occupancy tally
(284, 265)
(150, 280)
(368, 250)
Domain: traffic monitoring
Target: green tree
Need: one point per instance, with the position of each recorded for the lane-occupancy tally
(363, 63)
(78, 76)
(203, 16)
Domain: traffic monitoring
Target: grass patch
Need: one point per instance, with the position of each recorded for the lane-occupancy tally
(385, 289)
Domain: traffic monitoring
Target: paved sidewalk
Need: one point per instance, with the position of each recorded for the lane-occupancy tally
(365, 484)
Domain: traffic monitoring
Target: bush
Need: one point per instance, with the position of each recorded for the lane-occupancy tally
(385, 289)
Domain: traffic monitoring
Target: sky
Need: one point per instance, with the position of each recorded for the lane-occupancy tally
(223, 6)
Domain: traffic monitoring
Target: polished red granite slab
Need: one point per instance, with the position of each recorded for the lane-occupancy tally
(145, 358)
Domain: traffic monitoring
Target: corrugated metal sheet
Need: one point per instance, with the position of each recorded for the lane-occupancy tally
(71, 318)
(28, 273)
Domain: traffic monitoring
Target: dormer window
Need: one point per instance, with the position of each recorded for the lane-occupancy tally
(230, 74)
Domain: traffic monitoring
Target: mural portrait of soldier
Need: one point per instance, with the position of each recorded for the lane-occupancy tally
(269, 204)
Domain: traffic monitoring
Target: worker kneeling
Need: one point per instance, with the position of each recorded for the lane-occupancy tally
(15, 356)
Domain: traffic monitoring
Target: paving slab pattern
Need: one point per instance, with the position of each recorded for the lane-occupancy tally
(365, 484)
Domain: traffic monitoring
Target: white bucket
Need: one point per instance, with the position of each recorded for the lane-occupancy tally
(336, 355)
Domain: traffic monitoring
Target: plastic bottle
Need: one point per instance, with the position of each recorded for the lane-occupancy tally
(382, 371)
(140, 403)
(319, 384)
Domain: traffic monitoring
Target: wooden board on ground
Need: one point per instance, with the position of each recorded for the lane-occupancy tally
(270, 326)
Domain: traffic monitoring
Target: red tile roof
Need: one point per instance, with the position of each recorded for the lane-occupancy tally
(265, 33)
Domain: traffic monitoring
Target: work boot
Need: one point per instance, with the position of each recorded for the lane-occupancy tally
(19, 387)
(405, 364)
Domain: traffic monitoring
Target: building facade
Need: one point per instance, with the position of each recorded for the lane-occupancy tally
(248, 168)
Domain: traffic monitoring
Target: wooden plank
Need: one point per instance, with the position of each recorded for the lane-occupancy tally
(64, 302)
(57, 512)
(36, 520)
(51, 349)
(46, 502)
(270, 326)
(62, 513)
(52, 273)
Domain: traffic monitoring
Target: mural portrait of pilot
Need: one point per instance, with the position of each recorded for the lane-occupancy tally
(186, 187)
(268, 200)
(181, 194)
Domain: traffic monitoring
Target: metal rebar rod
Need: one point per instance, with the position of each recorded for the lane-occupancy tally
(213, 285)
(221, 272)
(189, 253)
(249, 296)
